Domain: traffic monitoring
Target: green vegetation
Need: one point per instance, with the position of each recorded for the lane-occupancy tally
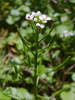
(56, 57)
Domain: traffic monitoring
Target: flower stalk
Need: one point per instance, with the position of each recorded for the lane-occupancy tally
(35, 70)
(37, 22)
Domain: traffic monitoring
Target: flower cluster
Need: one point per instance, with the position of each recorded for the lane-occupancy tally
(38, 18)
(67, 33)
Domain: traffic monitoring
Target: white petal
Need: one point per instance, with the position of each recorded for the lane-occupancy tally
(35, 19)
(44, 16)
(48, 18)
(31, 16)
(40, 17)
(33, 13)
(65, 31)
(27, 16)
(41, 26)
(38, 13)
(66, 35)
(37, 24)
(44, 21)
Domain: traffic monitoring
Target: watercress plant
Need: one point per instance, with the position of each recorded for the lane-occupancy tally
(37, 22)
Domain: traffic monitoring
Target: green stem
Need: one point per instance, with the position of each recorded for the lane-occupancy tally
(35, 71)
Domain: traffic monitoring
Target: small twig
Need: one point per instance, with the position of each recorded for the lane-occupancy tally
(48, 85)
(70, 68)
(7, 55)
(55, 1)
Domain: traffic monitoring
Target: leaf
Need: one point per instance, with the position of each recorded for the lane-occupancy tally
(24, 41)
(48, 47)
(11, 96)
(19, 45)
(41, 70)
(41, 97)
(15, 12)
(12, 19)
(73, 87)
(62, 64)
(46, 35)
(24, 8)
(60, 29)
(4, 97)
(55, 55)
(72, 1)
(24, 94)
(11, 39)
(18, 93)
(59, 66)
(73, 77)
(67, 95)
(58, 92)
(24, 24)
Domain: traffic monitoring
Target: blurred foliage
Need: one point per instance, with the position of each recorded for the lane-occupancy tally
(16, 60)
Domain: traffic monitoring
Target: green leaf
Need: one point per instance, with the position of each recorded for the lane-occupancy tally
(12, 97)
(73, 77)
(41, 70)
(12, 19)
(58, 92)
(4, 97)
(15, 12)
(24, 8)
(60, 29)
(24, 94)
(73, 87)
(62, 64)
(42, 98)
(46, 35)
(24, 41)
(17, 93)
(55, 54)
(72, 1)
(19, 45)
(48, 47)
(24, 24)
(67, 95)
(59, 66)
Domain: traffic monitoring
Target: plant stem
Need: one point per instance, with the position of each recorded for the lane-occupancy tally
(35, 71)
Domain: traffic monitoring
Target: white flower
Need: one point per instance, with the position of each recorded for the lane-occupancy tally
(41, 26)
(66, 35)
(44, 18)
(38, 13)
(48, 18)
(71, 34)
(61, 35)
(35, 19)
(38, 18)
(33, 13)
(29, 17)
(65, 31)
